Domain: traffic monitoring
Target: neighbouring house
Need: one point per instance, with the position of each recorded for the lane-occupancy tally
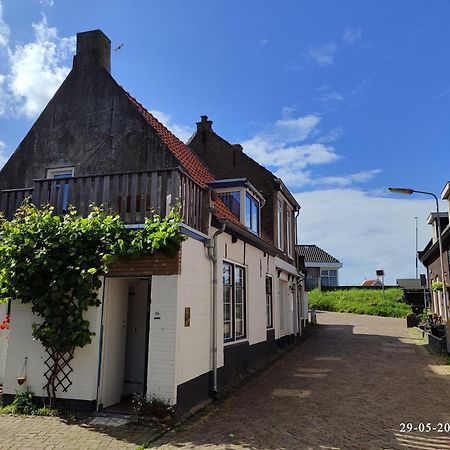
(161, 330)
(322, 268)
(430, 255)
(374, 282)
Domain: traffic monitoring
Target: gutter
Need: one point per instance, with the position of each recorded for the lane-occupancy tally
(211, 246)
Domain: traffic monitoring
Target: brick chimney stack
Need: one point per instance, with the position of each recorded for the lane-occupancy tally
(93, 48)
(205, 125)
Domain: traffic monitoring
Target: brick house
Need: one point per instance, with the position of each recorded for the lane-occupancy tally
(181, 340)
(429, 256)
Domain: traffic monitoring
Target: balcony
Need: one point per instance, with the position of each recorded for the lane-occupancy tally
(133, 195)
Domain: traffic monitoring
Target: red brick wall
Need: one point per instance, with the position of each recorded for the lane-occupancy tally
(157, 264)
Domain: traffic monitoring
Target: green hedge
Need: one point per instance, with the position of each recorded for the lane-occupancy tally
(361, 301)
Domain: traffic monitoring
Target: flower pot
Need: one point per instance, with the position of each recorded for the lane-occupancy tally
(21, 380)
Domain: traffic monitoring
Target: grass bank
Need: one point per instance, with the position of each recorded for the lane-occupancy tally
(361, 301)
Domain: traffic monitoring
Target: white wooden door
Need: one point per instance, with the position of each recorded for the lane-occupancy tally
(114, 340)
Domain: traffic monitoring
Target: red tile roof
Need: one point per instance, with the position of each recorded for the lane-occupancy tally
(367, 283)
(188, 159)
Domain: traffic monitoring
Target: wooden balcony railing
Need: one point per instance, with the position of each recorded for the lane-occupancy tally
(133, 195)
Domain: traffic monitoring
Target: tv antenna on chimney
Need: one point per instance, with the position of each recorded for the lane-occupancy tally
(119, 47)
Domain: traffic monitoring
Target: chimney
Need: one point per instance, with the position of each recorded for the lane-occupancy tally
(93, 48)
(205, 125)
(237, 147)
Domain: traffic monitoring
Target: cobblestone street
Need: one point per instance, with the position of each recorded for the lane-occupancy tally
(348, 386)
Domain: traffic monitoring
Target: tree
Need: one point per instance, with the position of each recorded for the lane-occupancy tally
(56, 263)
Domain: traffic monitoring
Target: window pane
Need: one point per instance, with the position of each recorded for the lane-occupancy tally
(226, 330)
(280, 224)
(255, 217)
(239, 274)
(227, 301)
(232, 201)
(248, 211)
(227, 274)
(239, 328)
(269, 301)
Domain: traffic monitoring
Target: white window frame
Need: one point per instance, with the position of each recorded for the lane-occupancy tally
(325, 274)
(289, 230)
(243, 191)
(280, 223)
(54, 172)
(269, 303)
(234, 337)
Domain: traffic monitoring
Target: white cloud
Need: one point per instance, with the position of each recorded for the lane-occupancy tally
(182, 132)
(332, 135)
(3, 156)
(47, 2)
(264, 42)
(296, 129)
(352, 35)
(4, 29)
(365, 231)
(332, 96)
(281, 147)
(346, 180)
(3, 95)
(38, 68)
(323, 54)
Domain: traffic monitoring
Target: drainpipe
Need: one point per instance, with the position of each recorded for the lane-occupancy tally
(211, 245)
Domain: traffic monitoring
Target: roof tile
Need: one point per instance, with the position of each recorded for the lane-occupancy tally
(188, 159)
(312, 253)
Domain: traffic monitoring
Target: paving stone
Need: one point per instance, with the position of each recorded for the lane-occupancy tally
(349, 386)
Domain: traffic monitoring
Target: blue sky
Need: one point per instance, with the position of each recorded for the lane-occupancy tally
(340, 98)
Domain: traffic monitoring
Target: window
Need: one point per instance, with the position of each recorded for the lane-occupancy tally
(289, 232)
(245, 204)
(269, 304)
(328, 278)
(232, 200)
(234, 302)
(280, 224)
(251, 213)
(60, 174)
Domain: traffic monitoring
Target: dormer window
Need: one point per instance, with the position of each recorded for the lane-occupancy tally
(232, 200)
(243, 200)
(252, 213)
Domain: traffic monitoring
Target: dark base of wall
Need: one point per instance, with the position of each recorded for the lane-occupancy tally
(64, 404)
(194, 392)
(240, 361)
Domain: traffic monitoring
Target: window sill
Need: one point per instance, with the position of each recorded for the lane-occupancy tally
(235, 341)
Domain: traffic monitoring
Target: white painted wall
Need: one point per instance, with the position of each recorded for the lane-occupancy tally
(3, 342)
(162, 360)
(195, 341)
(21, 345)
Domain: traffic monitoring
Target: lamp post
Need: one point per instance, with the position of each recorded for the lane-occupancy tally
(408, 191)
(417, 258)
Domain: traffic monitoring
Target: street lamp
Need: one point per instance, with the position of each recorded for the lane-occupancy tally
(408, 191)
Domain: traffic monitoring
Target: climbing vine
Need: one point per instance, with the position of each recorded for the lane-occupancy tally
(55, 263)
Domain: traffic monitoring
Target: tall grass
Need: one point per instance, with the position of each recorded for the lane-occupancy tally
(361, 301)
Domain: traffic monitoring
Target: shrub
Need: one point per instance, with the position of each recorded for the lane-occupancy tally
(153, 407)
(361, 301)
